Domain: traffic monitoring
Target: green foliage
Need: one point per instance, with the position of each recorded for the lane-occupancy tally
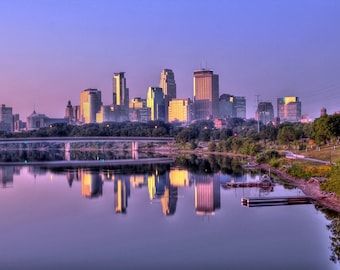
(265, 157)
(326, 128)
(299, 171)
(333, 182)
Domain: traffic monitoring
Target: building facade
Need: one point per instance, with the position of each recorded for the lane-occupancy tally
(265, 112)
(90, 104)
(155, 101)
(167, 83)
(6, 118)
(121, 94)
(180, 110)
(138, 111)
(226, 106)
(289, 109)
(206, 94)
(240, 107)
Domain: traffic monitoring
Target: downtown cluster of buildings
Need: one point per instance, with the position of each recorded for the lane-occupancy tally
(161, 103)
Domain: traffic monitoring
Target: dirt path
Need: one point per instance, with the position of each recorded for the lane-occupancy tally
(309, 188)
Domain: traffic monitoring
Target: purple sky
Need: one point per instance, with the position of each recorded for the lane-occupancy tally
(50, 50)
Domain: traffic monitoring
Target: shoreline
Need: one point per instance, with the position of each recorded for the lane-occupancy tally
(308, 187)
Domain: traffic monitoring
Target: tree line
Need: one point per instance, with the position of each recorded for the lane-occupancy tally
(244, 136)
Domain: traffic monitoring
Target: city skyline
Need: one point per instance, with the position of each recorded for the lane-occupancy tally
(52, 50)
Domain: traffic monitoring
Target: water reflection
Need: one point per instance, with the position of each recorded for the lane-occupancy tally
(191, 183)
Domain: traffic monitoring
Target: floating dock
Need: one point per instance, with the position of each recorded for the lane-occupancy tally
(272, 201)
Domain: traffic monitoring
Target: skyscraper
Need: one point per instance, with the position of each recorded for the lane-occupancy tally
(167, 83)
(121, 94)
(6, 118)
(289, 109)
(155, 101)
(226, 106)
(265, 112)
(240, 107)
(90, 103)
(206, 94)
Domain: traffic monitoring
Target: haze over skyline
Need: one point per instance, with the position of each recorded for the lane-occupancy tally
(51, 50)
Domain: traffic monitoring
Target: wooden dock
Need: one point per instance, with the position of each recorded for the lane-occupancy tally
(272, 201)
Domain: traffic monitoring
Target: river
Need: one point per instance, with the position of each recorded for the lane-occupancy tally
(157, 216)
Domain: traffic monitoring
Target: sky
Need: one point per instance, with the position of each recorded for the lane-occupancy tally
(50, 50)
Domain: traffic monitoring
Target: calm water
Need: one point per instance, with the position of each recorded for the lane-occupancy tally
(153, 217)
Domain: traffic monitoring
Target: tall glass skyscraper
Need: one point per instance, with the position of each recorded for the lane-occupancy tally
(206, 94)
(167, 83)
(155, 101)
(120, 91)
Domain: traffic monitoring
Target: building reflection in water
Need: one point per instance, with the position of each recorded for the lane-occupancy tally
(91, 183)
(207, 194)
(6, 176)
(121, 189)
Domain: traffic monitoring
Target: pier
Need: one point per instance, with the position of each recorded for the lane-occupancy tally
(272, 201)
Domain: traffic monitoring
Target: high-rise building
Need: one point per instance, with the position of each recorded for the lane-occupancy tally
(138, 111)
(265, 112)
(289, 109)
(180, 110)
(226, 106)
(167, 83)
(121, 93)
(155, 101)
(323, 111)
(6, 118)
(90, 103)
(240, 107)
(206, 94)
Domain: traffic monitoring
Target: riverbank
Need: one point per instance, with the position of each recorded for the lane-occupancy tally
(309, 188)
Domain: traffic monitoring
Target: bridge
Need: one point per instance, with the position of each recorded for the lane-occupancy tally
(68, 140)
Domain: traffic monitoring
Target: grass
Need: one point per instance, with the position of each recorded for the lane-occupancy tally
(327, 153)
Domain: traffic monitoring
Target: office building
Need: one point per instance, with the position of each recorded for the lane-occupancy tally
(6, 118)
(167, 83)
(226, 106)
(155, 101)
(265, 112)
(121, 94)
(38, 120)
(289, 109)
(240, 107)
(138, 111)
(180, 110)
(206, 94)
(90, 103)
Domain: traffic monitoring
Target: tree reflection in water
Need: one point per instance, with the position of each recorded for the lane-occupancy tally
(334, 228)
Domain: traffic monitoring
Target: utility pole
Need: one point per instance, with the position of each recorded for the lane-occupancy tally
(258, 113)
